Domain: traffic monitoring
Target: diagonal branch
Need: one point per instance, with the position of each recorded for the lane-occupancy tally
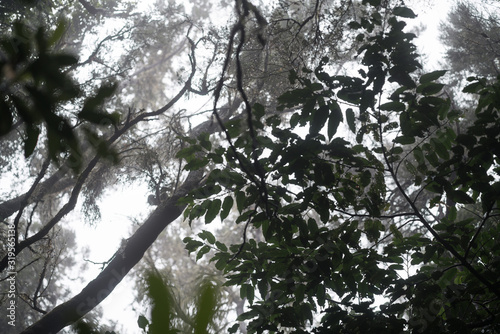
(135, 247)
(98, 289)
(463, 261)
(69, 206)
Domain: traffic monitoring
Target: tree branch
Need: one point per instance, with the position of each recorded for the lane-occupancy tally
(125, 259)
(429, 228)
(98, 289)
(69, 206)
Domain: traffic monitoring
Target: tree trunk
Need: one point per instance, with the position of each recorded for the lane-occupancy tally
(124, 260)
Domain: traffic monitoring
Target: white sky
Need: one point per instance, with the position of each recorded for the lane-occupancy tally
(430, 14)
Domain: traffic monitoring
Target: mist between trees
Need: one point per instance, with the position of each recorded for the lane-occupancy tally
(348, 189)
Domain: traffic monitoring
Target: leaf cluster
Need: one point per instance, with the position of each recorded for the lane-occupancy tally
(331, 242)
(36, 87)
(163, 310)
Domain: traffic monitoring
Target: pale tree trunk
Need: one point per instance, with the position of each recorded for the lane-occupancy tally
(124, 260)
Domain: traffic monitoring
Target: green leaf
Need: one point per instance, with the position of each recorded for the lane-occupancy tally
(396, 150)
(444, 109)
(191, 244)
(205, 141)
(208, 236)
(467, 140)
(142, 322)
(195, 164)
(323, 175)
(316, 86)
(63, 60)
(453, 115)
(473, 88)
(227, 205)
(240, 200)
(409, 166)
(188, 152)
(393, 106)
(404, 140)
(440, 149)
(58, 33)
(216, 158)
(323, 208)
(246, 291)
(212, 211)
(434, 187)
(334, 119)
(349, 115)
(221, 259)
(429, 88)
(203, 250)
(221, 246)
(32, 133)
(234, 328)
(459, 196)
(432, 76)
(432, 158)
(404, 12)
(321, 294)
(294, 120)
(234, 127)
(365, 178)
(395, 232)
(206, 307)
(262, 285)
(319, 118)
(91, 110)
(354, 25)
(162, 301)
(258, 110)
(338, 148)
(5, 118)
(95, 117)
(228, 179)
(452, 214)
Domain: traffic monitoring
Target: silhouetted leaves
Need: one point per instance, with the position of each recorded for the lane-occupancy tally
(331, 211)
(36, 86)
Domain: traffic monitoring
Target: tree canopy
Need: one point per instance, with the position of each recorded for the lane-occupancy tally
(353, 189)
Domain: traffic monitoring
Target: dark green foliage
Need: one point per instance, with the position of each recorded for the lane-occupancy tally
(36, 86)
(161, 311)
(164, 311)
(332, 214)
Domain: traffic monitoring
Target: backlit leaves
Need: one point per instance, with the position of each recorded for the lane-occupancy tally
(339, 216)
(36, 85)
(432, 76)
(404, 12)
